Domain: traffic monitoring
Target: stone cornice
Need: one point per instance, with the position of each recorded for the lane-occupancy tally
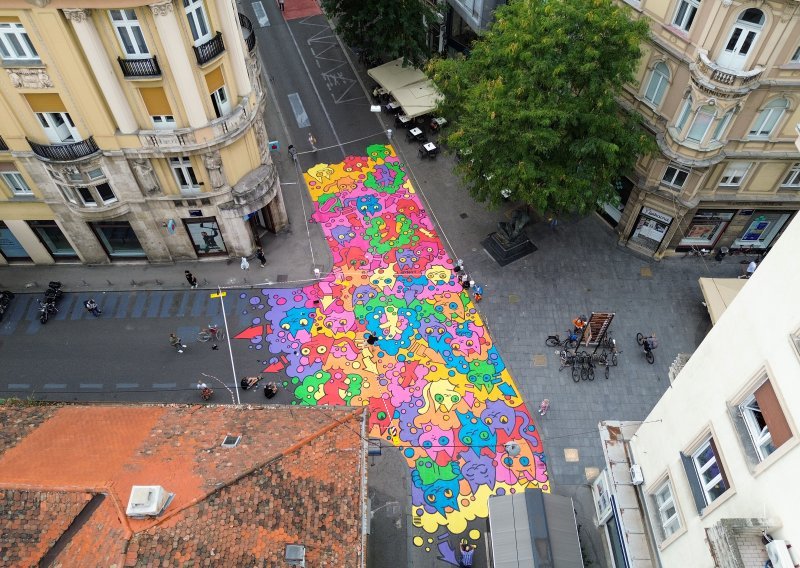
(162, 8)
(77, 15)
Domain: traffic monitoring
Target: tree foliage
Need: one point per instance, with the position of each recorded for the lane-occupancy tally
(384, 29)
(533, 107)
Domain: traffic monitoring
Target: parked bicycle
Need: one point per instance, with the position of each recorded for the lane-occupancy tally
(610, 358)
(695, 251)
(569, 342)
(648, 344)
(213, 331)
(583, 367)
(567, 359)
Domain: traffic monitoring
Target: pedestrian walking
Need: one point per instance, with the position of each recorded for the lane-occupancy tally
(280, 5)
(467, 552)
(544, 406)
(478, 289)
(458, 266)
(260, 256)
(750, 269)
(245, 265)
(465, 281)
(312, 141)
(190, 278)
(91, 305)
(552, 222)
(175, 342)
(292, 152)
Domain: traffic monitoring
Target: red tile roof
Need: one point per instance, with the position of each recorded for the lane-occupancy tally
(295, 478)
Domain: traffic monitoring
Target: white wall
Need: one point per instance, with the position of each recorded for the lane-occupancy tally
(753, 334)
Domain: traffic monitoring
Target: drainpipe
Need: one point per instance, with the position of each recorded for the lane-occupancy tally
(640, 497)
(364, 506)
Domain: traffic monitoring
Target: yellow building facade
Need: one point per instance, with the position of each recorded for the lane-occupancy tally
(719, 89)
(132, 130)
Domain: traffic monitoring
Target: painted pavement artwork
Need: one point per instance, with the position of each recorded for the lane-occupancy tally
(434, 383)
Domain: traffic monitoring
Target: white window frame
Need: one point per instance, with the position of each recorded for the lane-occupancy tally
(702, 468)
(759, 436)
(163, 122)
(722, 126)
(601, 494)
(685, 112)
(53, 131)
(129, 31)
(658, 84)
(67, 193)
(182, 168)
(670, 524)
(768, 118)
(697, 131)
(672, 179)
(734, 173)
(796, 57)
(792, 178)
(15, 45)
(110, 200)
(16, 183)
(743, 43)
(685, 14)
(79, 192)
(197, 18)
(221, 101)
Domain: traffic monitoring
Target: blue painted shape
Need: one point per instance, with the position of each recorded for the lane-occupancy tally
(155, 304)
(122, 308)
(19, 306)
(78, 310)
(200, 299)
(64, 306)
(184, 304)
(108, 302)
(166, 304)
(507, 389)
(213, 308)
(138, 306)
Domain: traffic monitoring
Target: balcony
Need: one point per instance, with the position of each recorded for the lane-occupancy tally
(3, 145)
(247, 32)
(65, 152)
(140, 68)
(722, 82)
(209, 50)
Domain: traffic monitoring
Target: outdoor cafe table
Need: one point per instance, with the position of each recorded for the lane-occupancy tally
(415, 134)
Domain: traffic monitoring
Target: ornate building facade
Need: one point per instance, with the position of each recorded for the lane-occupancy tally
(719, 88)
(132, 129)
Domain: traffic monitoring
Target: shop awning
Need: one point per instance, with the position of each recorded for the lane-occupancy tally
(719, 293)
(533, 530)
(418, 98)
(392, 76)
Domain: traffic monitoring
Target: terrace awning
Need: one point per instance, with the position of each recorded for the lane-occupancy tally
(417, 99)
(392, 76)
(719, 293)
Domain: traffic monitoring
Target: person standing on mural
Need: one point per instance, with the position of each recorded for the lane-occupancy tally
(312, 141)
(467, 552)
(190, 278)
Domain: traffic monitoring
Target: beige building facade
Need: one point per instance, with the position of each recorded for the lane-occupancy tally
(719, 89)
(132, 129)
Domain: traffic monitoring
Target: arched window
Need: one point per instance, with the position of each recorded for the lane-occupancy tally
(742, 38)
(702, 121)
(768, 117)
(659, 81)
(722, 125)
(685, 112)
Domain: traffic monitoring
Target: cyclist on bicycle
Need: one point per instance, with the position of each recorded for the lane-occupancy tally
(650, 343)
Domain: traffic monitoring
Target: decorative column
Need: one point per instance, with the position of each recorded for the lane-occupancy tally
(182, 71)
(234, 43)
(102, 68)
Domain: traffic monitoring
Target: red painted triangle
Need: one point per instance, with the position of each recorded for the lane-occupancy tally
(279, 365)
(251, 332)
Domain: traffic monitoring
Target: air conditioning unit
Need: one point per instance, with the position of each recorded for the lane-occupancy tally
(636, 475)
(779, 554)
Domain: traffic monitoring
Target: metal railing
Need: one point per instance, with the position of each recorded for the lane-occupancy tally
(65, 152)
(724, 76)
(140, 67)
(210, 49)
(250, 38)
(3, 145)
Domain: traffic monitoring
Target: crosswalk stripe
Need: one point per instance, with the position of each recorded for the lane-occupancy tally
(138, 306)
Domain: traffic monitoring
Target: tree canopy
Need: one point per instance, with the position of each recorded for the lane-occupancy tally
(533, 108)
(384, 29)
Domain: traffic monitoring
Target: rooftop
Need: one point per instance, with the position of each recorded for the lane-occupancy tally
(66, 473)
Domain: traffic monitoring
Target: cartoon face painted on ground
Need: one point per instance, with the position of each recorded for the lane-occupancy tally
(432, 380)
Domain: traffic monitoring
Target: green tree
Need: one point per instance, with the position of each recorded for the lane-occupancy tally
(384, 29)
(533, 108)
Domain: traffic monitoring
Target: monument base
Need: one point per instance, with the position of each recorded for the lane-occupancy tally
(504, 252)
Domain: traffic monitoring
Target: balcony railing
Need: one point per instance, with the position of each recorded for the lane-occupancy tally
(210, 49)
(140, 67)
(3, 145)
(722, 78)
(247, 32)
(65, 152)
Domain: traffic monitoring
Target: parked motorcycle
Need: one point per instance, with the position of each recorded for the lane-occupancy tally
(51, 296)
(5, 299)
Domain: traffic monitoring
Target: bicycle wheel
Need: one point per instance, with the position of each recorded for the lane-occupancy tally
(551, 342)
(614, 359)
(571, 343)
(591, 371)
(584, 371)
(576, 372)
(203, 336)
(650, 357)
(608, 371)
(221, 335)
(639, 338)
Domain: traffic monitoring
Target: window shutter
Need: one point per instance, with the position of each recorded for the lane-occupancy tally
(215, 80)
(155, 99)
(8, 167)
(745, 437)
(694, 482)
(45, 102)
(773, 414)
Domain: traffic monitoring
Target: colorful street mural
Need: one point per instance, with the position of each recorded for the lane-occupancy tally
(434, 383)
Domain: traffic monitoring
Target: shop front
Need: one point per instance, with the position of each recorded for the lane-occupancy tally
(10, 247)
(705, 229)
(118, 239)
(762, 230)
(206, 236)
(650, 229)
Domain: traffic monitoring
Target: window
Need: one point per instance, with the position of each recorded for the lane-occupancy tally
(796, 57)
(184, 174)
(67, 194)
(198, 22)
(106, 194)
(659, 81)
(705, 474)
(81, 187)
(734, 173)
(667, 512)
(163, 122)
(685, 112)
(15, 44)
(722, 125)
(118, 239)
(792, 179)
(58, 127)
(684, 16)
(743, 36)
(221, 102)
(16, 183)
(96, 173)
(129, 33)
(675, 177)
(768, 118)
(764, 421)
(86, 196)
(702, 121)
(53, 238)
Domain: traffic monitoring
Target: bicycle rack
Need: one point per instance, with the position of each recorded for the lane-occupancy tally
(595, 330)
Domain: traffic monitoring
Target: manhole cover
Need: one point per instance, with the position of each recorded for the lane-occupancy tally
(645, 272)
(463, 215)
(513, 299)
(539, 361)
(283, 277)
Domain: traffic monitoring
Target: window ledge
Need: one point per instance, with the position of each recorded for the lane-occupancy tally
(21, 63)
(785, 448)
(672, 538)
(24, 198)
(709, 509)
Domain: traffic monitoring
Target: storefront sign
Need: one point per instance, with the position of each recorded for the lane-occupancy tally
(657, 215)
